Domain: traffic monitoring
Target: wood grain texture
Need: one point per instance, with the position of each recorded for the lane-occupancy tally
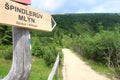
(21, 64)
(18, 15)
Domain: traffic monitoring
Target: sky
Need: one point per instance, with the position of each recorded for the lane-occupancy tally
(77, 6)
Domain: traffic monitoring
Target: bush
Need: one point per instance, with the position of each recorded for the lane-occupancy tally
(6, 52)
(117, 72)
(37, 51)
(48, 53)
(104, 47)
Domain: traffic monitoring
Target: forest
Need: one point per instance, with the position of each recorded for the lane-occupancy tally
(94, 36)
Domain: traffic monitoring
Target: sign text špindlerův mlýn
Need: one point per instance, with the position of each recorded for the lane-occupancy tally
(23, 11)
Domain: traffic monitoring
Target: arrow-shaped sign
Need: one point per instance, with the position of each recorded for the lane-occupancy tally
(19, 15)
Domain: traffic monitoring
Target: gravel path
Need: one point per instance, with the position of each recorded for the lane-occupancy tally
(76, 69)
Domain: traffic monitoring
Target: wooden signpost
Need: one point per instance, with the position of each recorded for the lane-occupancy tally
(22, 18)
(19, 15)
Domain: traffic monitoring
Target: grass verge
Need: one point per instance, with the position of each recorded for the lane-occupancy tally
(4, 67)
(39, 71)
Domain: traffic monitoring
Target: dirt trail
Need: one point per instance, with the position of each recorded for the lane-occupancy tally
(76, 69)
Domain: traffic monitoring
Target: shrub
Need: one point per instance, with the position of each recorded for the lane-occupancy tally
(117, 72)
(104, 47)
(48, 53)
(6, 52)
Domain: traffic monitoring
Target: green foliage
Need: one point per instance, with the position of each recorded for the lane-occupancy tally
(47, 51)
(98, 35)
(82, 29)
(66, 41)
(36, 50)
(50, 55)
(104, 47)
(6, 52)
(67, 21)
(5, 35)
(39, 71)
(117, 72)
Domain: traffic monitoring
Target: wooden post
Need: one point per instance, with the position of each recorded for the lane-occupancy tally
(21, 64)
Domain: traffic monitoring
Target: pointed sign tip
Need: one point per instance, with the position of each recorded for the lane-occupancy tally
(53, 23)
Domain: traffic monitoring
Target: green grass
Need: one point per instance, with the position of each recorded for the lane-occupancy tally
(5, 66)
(39, 71)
